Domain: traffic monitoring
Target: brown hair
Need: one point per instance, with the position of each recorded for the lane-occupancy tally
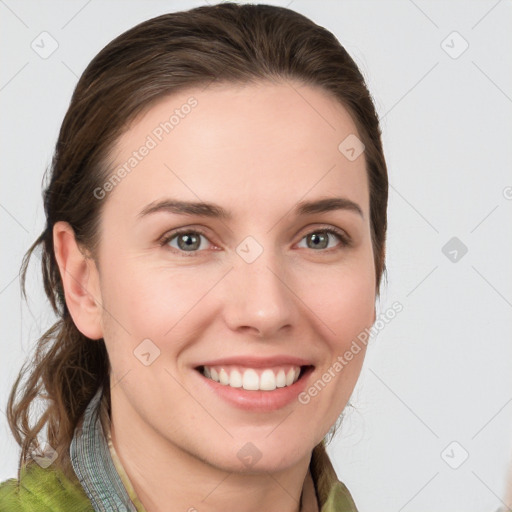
(226, 42)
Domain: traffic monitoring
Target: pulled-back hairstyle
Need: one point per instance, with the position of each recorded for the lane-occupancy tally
(227, 42)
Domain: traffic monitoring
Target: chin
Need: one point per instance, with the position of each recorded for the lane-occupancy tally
(262, 456)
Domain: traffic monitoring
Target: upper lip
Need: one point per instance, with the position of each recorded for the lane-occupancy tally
(257, 362)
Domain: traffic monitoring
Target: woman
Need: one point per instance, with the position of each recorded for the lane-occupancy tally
(214, 246)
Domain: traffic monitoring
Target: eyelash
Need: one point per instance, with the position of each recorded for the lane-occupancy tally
(344, 239)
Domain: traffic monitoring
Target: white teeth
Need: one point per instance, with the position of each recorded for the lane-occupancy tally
(223, 377)
(249, 379)
(235, 380)
(281, 379)
(268, 380)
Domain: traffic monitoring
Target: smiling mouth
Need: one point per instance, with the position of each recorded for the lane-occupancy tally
(255, 379)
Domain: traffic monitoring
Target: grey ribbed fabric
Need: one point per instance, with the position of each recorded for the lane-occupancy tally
(93, 464)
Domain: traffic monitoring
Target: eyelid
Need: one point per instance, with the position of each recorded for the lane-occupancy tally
(345, 239)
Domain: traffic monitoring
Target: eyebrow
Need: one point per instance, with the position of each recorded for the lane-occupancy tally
(212, 210)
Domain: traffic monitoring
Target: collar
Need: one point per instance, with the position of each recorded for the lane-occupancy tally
(93, 465)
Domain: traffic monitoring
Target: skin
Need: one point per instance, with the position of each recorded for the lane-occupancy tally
(256, 150)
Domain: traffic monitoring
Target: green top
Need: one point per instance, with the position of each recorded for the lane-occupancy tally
(101, 484)
(43, 490)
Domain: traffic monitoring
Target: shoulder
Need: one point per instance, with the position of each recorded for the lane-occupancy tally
(42, 490)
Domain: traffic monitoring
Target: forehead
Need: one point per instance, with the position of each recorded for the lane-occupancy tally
(240, 145)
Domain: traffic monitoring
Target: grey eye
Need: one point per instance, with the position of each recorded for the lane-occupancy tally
(187, 241)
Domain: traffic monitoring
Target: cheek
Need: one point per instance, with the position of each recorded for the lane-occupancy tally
(349, 310)
(149, 300)
(344, 300)
(349, 314)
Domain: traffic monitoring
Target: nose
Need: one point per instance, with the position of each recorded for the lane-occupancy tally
(258, 297)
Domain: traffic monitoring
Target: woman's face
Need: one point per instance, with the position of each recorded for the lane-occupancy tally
(254, 295)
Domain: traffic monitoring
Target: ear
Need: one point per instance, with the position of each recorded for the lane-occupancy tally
(80, 280)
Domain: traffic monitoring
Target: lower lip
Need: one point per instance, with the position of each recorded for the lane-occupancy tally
(259, 401)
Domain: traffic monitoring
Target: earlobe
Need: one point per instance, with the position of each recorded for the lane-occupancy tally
(80, 281)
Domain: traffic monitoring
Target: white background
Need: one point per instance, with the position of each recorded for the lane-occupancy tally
(440, 371)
